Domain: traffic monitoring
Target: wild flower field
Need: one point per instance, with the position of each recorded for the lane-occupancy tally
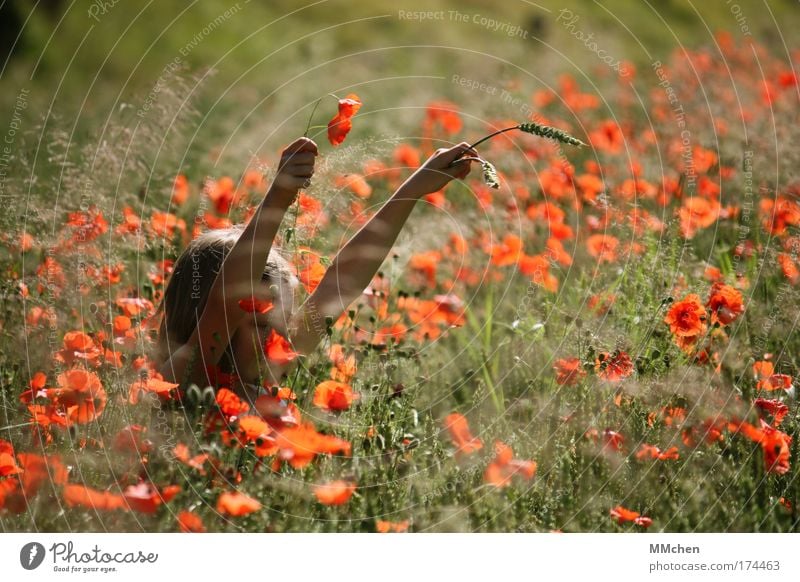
(606, 342)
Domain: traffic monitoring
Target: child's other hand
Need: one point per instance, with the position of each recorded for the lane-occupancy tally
(296, 166)
(437, 172)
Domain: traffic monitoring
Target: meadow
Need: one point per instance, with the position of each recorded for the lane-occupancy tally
(605, 342)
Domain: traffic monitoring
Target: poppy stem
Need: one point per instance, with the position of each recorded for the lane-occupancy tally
(310, 117)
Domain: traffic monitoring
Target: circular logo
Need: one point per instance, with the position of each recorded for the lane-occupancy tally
(31, 555)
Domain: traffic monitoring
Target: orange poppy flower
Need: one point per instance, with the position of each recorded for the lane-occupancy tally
(333, 395)
(254, 305)
(130, 440)
(335, 492)
(299, 445)
(344, 367)
(697, 213)
(181, 452)
(623, 515)
(456, 424)
(537, 267)
(442, 113)
(603, 247)
(236, 504)
(687, 320)
(88, 225)
(508, 252)
(613, 367)
(382, 526)
(190, 522)
(789, 268)
(81, 393)
(153, 385)
(776, 408)
(8, 464)
(407, 156)
(230, 404)
(503, 468)
(278, 349)
(79, 346)
(652, 452)
(725, 303)
(569, 371)
(426, 264)
(355, 183)
(146, 498)
(774, 443)
(40, 469)
(764, 371)
(180, 190)
(340, 125)
(83, 496)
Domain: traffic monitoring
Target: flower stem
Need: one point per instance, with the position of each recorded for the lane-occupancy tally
(310, 117)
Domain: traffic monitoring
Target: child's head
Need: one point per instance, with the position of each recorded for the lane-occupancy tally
(192, 277)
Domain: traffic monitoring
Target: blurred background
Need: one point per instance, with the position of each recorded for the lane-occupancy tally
(248, 68)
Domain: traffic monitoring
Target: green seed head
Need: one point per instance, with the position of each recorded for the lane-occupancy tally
(490, 175)
(550, 132)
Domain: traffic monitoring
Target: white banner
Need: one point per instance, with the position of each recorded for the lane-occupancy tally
(399, 557)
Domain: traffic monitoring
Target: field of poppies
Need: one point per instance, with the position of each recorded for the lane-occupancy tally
(607, 341)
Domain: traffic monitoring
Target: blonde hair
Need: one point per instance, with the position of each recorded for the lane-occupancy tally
(190, 283)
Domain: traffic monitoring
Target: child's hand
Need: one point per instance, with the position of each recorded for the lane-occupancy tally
(437, 172)
(296, 166)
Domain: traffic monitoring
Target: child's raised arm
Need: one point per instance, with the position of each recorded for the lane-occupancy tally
(240, 274)
(357, 262)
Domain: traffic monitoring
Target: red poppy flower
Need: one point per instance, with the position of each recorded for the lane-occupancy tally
(776, 408)
(278, 349)
(253, 305)
(456, 424)
(81, 393)
(613, 367)
(340, 125)
(190, 522)
(146, 498)
(153, 385)
(83, 496)
(603, 247)
(299, 445)
(333, 395)
(652, 452)
(8, 464)
(774, 443)
(335, 492)
(445, 114)
(236, 504)
(504, 466)
(569, 371)
(623, 515)
(725, 303)
(382, 526)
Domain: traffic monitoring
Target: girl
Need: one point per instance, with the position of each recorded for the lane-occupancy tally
(205, 331)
